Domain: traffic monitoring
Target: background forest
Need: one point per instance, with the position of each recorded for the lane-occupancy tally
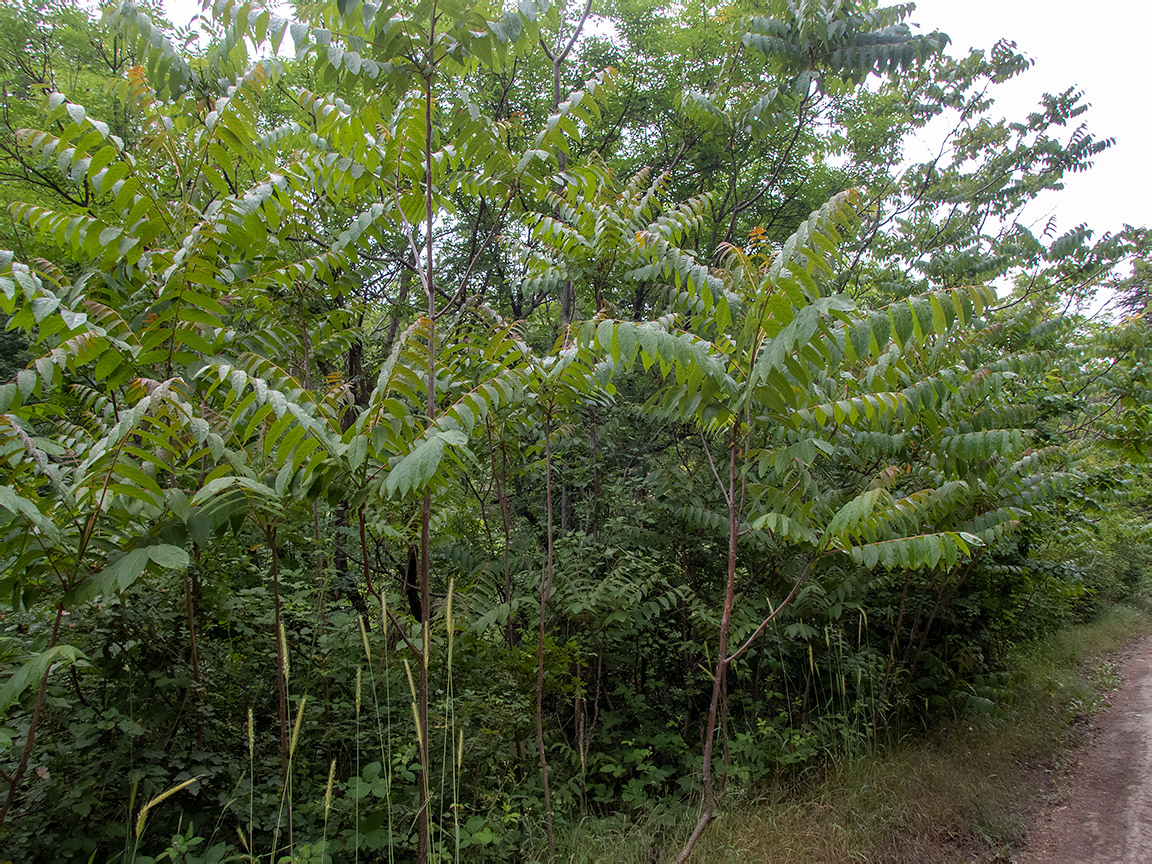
(430, 428)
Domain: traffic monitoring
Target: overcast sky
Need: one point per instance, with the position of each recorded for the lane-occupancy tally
(1100, 47)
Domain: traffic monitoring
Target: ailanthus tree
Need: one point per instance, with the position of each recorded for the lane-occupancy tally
(446, 453)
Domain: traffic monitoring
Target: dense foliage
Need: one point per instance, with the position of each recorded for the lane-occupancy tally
(407, 455)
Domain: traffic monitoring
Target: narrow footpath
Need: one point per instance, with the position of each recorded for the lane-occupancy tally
(1104, 811)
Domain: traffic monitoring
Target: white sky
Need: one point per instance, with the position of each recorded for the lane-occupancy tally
(1101, 48)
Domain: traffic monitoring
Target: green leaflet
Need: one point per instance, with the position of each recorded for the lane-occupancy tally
(32, 670)
(416, 468)
(20, 506)
(924, 551)
(116, 575)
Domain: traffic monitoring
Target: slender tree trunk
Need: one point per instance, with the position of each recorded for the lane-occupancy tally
(500, 479)
(725, 752)
(567, 290)
(193, 648)
(594, 517)
(37, 710)
(687, 667)
(545, 590)
(355, 369)
(424, 820)
(401, 299)
(915, 628)
(565, 506)
(321, 605)
(947, 591)
(722, 651)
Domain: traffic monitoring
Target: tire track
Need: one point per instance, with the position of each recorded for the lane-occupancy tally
(1107, 816)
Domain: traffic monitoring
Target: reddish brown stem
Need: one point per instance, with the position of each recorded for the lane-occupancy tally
(722, 651)
(193, 649)
(37, 710)
(545, 590)
(424, 825)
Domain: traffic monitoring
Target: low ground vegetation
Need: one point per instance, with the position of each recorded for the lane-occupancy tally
(965, 790)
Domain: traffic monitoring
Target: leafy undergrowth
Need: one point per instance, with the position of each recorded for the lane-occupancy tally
(963, 794)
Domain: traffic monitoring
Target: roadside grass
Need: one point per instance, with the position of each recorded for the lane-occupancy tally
(963, 793)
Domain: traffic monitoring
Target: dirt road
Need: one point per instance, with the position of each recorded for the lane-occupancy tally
(1105, 809)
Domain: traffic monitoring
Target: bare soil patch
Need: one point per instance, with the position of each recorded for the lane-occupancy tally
(1100, 809)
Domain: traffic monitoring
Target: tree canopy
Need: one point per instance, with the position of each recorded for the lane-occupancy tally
(426, 426)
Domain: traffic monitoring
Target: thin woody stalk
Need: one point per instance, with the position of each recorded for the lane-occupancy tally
(545, 590)
(424, 820)
(722, 652)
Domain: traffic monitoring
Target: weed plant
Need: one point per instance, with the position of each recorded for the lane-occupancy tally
(962, 792)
